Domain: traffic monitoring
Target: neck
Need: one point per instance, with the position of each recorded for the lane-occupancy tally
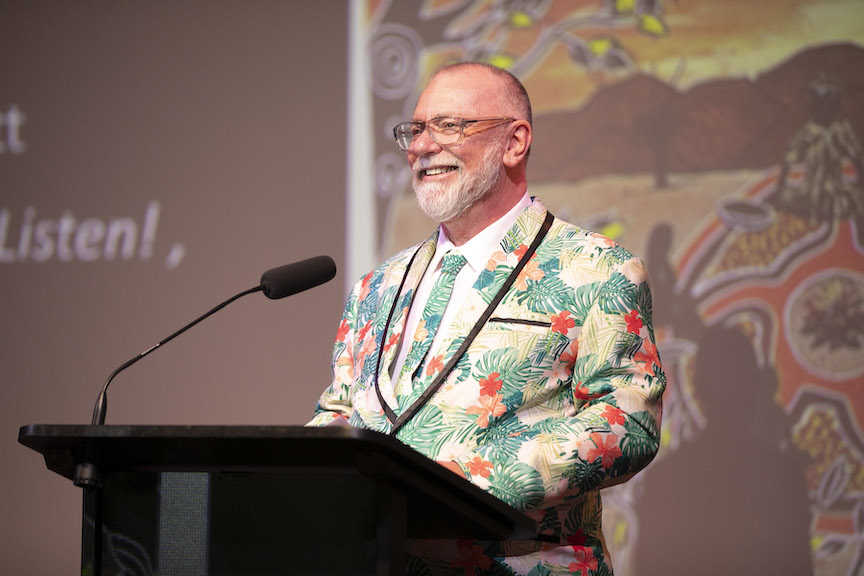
(483, 213)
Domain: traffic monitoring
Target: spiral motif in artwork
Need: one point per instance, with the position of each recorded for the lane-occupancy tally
(391, 175)
(393, 52)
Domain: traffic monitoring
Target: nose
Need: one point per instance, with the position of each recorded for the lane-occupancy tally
(424, 144)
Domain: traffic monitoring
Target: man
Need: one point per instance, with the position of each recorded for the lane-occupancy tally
(539, 381)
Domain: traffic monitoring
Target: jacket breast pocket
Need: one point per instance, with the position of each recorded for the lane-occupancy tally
(526, 324)
(524, 345)
(529, 347)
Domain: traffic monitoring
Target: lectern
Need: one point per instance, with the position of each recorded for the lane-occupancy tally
(261, 500)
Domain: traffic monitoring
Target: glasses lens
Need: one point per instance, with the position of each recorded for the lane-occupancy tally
(446, 130)
(405, 133)
(443, 130)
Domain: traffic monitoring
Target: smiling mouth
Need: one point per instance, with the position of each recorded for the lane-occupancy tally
(436, 171)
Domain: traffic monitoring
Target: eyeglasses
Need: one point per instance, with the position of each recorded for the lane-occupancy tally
(444, 130)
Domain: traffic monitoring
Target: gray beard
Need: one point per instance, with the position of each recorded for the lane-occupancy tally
(444, 202)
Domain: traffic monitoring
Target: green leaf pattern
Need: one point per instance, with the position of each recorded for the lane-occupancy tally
(544, 409)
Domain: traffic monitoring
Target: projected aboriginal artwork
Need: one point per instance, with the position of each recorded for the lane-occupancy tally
(721, 141)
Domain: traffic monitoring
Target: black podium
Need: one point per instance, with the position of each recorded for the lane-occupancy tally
(226, 500)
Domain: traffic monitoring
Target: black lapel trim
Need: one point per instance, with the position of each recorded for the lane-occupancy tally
(391, 415)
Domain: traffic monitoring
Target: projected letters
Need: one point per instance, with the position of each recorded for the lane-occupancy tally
(67, 239)
(10, 130)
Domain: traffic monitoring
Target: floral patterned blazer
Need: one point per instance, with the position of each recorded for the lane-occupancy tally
(558, 396)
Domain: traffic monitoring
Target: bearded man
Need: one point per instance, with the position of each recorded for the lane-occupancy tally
(511, 347)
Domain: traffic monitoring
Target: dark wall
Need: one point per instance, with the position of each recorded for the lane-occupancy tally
(155, 159)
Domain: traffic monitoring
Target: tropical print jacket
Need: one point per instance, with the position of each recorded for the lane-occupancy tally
(558, 396)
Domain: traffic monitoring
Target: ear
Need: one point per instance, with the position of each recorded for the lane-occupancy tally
(518, 144)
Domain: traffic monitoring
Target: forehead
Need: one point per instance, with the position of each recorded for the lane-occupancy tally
(467, 93)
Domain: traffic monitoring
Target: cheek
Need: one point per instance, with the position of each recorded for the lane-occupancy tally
(473, 159)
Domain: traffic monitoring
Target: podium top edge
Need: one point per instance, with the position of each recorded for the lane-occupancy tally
(191, 431)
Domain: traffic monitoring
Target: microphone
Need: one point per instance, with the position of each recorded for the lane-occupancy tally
(297, 277)
(275, 283)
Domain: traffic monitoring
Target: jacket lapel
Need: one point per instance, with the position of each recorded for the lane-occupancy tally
(390, 341)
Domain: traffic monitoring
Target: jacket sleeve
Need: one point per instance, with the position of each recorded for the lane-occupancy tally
(334, 406)
(610, 428)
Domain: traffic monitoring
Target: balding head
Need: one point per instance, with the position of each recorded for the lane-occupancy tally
(514, 97)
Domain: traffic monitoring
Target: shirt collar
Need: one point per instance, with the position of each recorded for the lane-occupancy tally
(479, 249)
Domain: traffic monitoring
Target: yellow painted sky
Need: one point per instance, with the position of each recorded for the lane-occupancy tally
(707, 39)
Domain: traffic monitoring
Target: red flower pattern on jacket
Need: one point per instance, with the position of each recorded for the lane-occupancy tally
(344, 327)
(480, 467)
(585, 561)
(392, 341)
(531, 271)
(361, 334)
(491, 385)
(634, 322)
(577, 539)
(581, 392)
(649, 358)
(487, 407)
(436, 363)
(568, 358)
(562, 322)
(606, 448)
(365, 286)
(614, 415)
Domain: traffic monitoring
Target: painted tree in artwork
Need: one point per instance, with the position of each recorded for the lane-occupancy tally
(823, 170)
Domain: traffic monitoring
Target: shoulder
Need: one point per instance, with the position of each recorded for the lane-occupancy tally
(589, 254)
(584, 240)
(395, 265)
(572, 237)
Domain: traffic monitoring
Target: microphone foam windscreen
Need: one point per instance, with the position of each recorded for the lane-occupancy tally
(297, 277)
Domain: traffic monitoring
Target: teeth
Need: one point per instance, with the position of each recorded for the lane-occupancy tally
(436, 171)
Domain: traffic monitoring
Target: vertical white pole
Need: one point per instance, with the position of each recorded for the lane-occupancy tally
(361, 224)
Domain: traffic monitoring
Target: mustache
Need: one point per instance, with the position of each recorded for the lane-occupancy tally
(440, 159)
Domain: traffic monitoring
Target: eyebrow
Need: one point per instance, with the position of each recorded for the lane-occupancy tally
(441, 116)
